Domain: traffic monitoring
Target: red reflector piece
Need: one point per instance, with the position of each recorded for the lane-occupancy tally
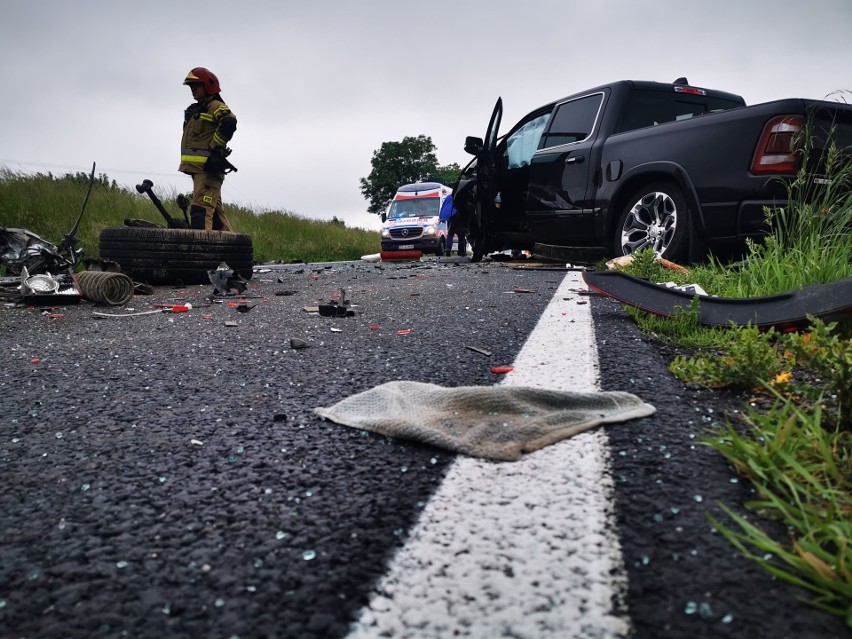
(501, 370)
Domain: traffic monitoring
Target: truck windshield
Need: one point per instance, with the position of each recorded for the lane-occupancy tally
(415, 207)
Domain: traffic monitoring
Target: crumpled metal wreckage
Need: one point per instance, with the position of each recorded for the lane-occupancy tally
(39, 273)
(21, 249)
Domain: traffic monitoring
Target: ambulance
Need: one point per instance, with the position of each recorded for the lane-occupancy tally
(411, 222)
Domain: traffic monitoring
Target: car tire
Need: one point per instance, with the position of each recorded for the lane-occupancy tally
(176, 256)
(440, 251)
(655, 216)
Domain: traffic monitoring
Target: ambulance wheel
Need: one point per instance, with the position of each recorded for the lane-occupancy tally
(176, 256)
(440, 251)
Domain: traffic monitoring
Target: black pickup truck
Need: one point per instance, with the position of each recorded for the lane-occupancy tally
(631, 165)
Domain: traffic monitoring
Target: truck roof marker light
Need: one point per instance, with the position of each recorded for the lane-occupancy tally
(776, 150)
(690, 90)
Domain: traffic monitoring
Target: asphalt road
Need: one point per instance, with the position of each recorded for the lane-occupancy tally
(165, 476)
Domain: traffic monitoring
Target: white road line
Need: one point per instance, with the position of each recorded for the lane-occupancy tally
(517, 549)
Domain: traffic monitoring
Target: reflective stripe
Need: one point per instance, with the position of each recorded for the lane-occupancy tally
(218, 140)
(206, 116)
(194, 158)
(221, 108)
(205, 153)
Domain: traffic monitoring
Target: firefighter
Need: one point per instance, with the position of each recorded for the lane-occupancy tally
(208, 126)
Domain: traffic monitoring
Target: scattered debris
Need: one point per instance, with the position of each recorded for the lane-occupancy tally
(45, 289)
(481, 351)
(98, 314)
(225, 280)
(337, 307)
(627, 260)
(501, 370)
(112, 289)
(230, 323)
(296, 343)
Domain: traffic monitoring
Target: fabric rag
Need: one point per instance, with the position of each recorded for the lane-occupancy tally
(492, 422)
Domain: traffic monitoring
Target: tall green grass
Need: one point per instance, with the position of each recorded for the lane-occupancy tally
(48, 205)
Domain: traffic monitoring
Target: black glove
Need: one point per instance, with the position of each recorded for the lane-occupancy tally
(216, 163)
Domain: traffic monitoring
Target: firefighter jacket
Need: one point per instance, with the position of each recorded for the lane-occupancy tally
(207, 126)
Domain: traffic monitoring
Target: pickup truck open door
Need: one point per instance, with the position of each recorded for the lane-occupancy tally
(487, 187)
(559, 203)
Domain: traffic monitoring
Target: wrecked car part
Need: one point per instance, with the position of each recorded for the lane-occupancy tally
(788, 311)
(112, 289)
(70, 241)
(225, 280)
(45, 289)
(21, 249)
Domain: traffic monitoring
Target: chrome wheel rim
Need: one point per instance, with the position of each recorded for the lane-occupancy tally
(651, 223)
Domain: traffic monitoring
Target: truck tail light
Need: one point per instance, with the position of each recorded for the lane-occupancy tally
(776, 150)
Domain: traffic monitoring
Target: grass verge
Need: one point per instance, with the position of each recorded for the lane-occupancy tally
(48, 205)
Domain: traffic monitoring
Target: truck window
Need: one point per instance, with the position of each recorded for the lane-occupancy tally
(649, 108)
(573, 121)
(521, 145)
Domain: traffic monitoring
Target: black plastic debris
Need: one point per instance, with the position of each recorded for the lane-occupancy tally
(337, 308)
(226, 282)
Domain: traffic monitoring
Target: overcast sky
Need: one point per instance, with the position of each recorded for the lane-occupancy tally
(318, 85)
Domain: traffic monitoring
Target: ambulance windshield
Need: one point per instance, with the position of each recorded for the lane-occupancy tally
(415, 207)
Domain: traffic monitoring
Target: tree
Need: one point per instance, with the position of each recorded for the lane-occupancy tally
(398, 163)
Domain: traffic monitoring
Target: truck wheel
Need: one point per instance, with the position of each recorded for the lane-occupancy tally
(656, 217)
(170, 256)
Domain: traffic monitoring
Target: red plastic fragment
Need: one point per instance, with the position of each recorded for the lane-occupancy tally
(500, 370)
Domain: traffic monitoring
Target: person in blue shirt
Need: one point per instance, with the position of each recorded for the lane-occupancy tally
(455, 226)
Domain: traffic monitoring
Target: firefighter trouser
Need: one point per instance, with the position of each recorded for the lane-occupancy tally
(205, 209)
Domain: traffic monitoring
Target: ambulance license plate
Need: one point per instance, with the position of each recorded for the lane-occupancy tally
(406, 247)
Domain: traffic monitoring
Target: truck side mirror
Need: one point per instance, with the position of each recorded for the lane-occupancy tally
(472, 145)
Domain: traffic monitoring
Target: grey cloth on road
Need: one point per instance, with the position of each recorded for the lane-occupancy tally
(492, 422)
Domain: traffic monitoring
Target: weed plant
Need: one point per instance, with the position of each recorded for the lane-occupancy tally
(48, 206)
(802, 473)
